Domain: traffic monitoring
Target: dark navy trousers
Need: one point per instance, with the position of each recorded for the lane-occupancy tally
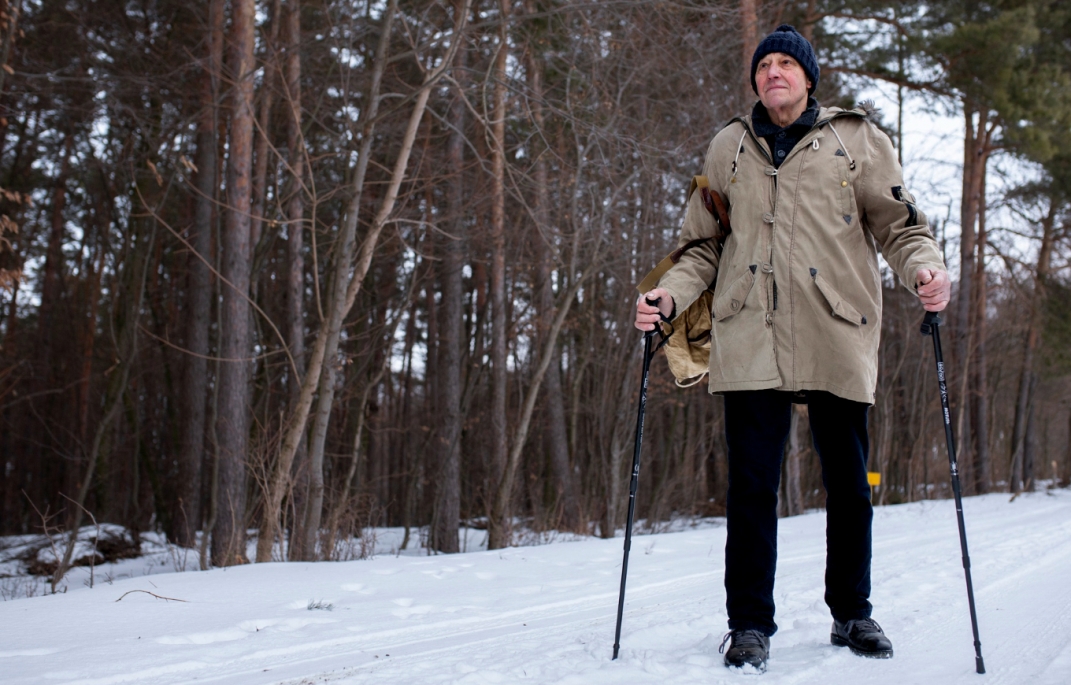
(756, 427)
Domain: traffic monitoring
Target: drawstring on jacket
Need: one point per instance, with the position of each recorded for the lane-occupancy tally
(851, 162)
(739, 149)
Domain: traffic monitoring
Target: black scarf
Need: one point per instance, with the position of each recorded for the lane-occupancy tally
(782, 140)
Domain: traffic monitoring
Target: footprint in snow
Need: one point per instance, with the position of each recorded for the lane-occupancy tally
(407, 609)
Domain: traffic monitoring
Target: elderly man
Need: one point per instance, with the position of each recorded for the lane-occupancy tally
(813, 194)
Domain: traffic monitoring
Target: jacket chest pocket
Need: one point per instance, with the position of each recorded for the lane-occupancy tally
(732, 300)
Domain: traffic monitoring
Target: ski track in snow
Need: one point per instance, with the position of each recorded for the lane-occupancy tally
(546, 614)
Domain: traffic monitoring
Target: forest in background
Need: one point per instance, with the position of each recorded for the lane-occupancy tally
(293, 268)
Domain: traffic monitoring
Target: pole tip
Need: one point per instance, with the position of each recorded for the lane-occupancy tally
(979, 665)
(616, 647)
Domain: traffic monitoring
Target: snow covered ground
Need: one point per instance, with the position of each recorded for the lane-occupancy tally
(545, 614)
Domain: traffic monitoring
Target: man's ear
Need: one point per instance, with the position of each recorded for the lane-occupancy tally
(809, 84)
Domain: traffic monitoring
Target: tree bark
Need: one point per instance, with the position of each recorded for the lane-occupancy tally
(964, 338)
(279, 478)
(295, 251)
(977, 139)
(557, 435)
(1067, 456)
(749, 30)
(1030, 439)
(186, 515)
(228, 536)
(52, 281)
(1027, 376)
(980, 395)
(447, 514)
(262, 152)
(89, 338)
(498, 533)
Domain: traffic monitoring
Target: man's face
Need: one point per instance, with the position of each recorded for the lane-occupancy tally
(781, 81)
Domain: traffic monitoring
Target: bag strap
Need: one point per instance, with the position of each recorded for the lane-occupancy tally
(714, 204)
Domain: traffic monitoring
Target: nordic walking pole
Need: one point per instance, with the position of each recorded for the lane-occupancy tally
(647, 354)
(930, 326)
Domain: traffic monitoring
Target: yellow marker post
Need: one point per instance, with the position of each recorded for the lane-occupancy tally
(873, 478)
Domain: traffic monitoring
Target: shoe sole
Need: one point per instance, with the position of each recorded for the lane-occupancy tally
(875, 654)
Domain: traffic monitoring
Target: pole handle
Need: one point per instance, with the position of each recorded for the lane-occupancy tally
(654, 303)
(929, 322)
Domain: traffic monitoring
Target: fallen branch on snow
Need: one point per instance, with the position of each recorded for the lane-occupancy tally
(169, 599)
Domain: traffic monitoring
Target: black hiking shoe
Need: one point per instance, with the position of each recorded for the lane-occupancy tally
(748, 648)
(863, 636)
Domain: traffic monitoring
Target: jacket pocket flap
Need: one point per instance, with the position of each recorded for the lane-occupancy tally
(840, 307)
(732, 300)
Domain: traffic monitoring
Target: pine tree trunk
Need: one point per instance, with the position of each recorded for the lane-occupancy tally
(295, 248)
(964, 296)
(52, 288)
(557, 435)
(186, 516)
(447, 482)
(749, 35)
(1027, 377)
(1067, 462)
(262, 146)
(271, 512)
(89, 338)
(498, 529)
(233, 420)
(1030, 440)
(979, 394)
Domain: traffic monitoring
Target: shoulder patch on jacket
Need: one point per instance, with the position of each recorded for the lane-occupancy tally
(901, 194)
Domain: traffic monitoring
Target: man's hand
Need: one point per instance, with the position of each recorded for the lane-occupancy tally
(646, 315)
(934, 289)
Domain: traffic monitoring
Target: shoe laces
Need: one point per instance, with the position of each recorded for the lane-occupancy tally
(866, 623)
(741, 637)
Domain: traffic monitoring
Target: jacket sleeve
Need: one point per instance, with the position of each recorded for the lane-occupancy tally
(890, 214)
(697, 267)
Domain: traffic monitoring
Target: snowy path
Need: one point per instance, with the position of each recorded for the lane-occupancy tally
(546, 614)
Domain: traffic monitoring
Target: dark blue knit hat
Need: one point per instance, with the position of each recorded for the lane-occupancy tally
(788, 40)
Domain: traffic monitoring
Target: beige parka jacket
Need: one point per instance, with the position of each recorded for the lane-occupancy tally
(797, 304)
